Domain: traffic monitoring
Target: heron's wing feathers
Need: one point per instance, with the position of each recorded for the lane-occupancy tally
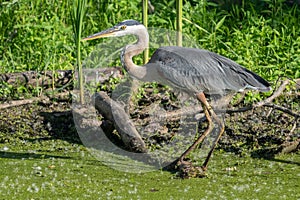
(248, 77)
(175, 69)
(199, 70)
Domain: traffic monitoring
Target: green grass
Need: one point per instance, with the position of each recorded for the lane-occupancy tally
(56, 169)
(261, 35)
(34, 36)
(79, 10)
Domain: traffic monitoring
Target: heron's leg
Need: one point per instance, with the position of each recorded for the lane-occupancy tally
(204, 102)
(204, 166)
(202, 98)
(206, 108)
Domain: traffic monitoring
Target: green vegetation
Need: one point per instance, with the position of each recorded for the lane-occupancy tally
(35, 36)
(261, 35)
(56, 169)
(79, 9)
(46, 160)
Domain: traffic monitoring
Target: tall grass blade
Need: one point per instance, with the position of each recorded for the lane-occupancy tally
(79, 9)
(220, 23)
(145, 22)
(179, 22)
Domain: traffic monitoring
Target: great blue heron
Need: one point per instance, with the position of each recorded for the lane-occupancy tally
(197, 72)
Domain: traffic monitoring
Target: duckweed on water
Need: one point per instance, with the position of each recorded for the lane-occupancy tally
(68, 171)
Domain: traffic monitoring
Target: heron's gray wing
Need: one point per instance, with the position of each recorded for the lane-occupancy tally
(196, 70)
(175, 70)
(246, 78)
(191, 70)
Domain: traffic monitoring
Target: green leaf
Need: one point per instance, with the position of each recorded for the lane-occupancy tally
(220, 23)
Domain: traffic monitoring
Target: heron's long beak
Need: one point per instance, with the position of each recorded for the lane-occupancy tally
(107, 33)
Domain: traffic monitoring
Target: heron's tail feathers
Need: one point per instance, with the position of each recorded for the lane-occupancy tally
(257, 82)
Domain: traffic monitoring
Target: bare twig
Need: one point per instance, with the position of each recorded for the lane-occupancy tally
(43, 98)
(61, 78)
(294, 127)
(283, 109)
(23, 102)
(267, 102)
(275, 94)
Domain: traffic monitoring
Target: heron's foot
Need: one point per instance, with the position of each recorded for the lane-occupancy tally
(187, 170)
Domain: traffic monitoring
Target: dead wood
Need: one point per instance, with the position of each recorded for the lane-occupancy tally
(114, 112)
(23, 102)
(275, 94)
(44, 99)
(60, 78)
(288, 147)
(57, 79)
(45, 79)
(193, 110)
(267, 102)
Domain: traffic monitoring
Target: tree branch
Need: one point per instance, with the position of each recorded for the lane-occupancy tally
(115, 113)
(43, 98)
(275, 94)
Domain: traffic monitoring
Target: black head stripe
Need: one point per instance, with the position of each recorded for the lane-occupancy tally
(129, 23)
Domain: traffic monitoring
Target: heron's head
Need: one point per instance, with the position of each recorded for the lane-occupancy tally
(127, 27)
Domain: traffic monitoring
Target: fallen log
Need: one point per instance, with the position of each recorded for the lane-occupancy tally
(48, 80)
(56, 79)
(115, 113)
(45, 79)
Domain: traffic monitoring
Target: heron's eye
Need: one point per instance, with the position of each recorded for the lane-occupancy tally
(123, 27)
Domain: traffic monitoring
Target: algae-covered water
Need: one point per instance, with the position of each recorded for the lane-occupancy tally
(57, 169)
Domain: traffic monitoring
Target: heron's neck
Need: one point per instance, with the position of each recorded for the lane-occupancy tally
(135, 49)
